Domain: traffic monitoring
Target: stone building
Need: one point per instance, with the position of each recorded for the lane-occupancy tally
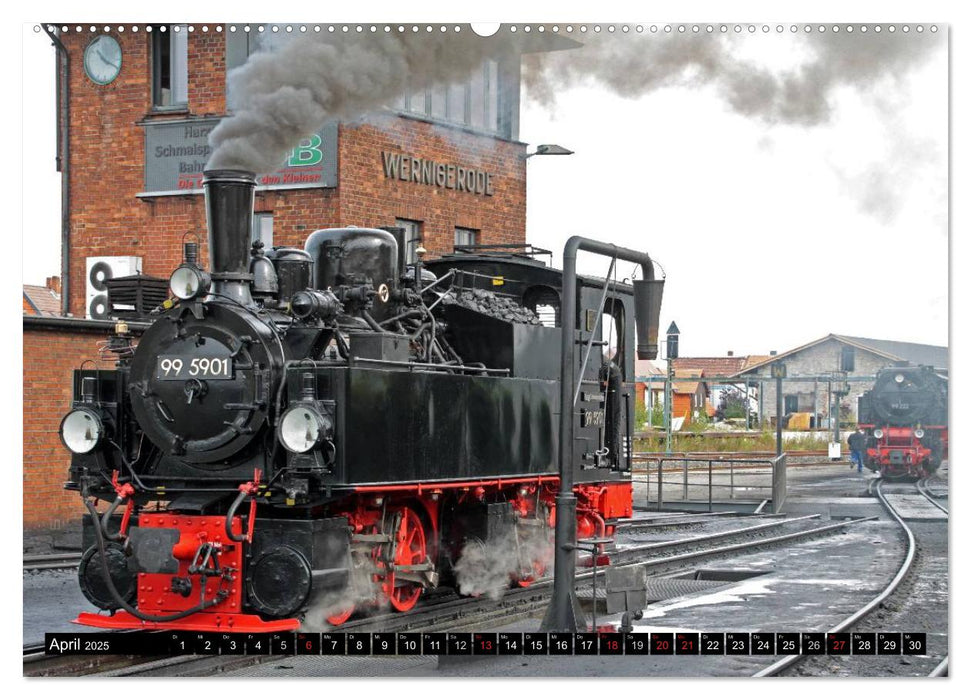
(819, 372)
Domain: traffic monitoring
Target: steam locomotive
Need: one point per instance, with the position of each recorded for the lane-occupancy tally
(301, 433)
(905, 418)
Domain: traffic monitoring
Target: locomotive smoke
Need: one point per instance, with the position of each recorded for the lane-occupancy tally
(281, 96)
(634, 65)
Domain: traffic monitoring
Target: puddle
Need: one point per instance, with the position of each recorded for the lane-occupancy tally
(735, 594)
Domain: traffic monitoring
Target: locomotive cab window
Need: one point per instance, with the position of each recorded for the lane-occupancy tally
(545, 303)
(612, 333)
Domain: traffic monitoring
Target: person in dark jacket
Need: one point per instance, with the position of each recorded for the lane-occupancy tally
(857, 442)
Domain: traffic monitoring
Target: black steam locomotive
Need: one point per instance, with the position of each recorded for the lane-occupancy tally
(905, 418)
(304, 432)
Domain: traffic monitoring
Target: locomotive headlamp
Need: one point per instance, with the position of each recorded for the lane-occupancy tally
(82, 430)
(188, 281)
(919, 433)
(899, 379)
(302, 428)
(878, 433)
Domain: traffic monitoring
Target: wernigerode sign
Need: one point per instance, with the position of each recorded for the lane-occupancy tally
(429, 172)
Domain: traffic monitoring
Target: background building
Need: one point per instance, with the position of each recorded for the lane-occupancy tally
(831, 363)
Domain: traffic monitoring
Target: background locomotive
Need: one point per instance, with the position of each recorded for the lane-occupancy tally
(304, 431)
(905, 418)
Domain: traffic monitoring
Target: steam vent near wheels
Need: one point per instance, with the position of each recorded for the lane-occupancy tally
(442, 162)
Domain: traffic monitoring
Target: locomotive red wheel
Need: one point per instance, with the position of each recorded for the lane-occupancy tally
(409, 549)
(339, 618)
(539, 568)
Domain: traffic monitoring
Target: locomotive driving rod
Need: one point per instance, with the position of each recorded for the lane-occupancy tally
(564, 613)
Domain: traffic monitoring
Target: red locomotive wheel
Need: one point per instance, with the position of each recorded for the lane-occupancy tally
(539, 568)
(339, 618)
(409, 550)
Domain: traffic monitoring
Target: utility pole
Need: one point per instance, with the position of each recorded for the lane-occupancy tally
(779, 372)
(673, 335)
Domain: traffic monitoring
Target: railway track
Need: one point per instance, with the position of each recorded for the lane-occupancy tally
(911, 549)
(449, 611)
(42, 562)
(924, 490)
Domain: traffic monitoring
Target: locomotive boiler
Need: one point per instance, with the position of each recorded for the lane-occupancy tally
(905, 418)
(301, 433)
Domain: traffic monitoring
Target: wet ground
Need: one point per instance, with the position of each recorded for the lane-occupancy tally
(802, 587)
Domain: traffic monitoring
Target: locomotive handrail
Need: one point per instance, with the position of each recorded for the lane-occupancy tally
(430, 365)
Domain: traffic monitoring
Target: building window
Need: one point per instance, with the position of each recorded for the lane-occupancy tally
(848, 358)
(466, 236)
(412, 237)
(262, 229)
(473, 103)
(170, 66)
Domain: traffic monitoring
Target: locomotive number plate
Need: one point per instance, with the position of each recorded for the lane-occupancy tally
(174, 367)
(591, 419)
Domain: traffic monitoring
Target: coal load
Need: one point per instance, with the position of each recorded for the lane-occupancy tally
(495, 305)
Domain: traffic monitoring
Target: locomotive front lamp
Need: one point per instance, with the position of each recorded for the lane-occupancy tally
(188, 281)
(899, 379)
(302, 428)
(919, 433)
(878, 433)
(82, 430)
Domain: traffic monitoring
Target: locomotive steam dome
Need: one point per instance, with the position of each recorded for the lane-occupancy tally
(355, 256)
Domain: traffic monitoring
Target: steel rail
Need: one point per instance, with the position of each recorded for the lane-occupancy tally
(926, 493)
(724, 534)
(875, 486)
(41, 562)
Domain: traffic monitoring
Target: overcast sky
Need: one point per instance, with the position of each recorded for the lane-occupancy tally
(771, 234)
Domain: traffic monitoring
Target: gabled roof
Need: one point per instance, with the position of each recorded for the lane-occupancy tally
(914, 353)
(646, 368)
(44, 301)
(710, 366)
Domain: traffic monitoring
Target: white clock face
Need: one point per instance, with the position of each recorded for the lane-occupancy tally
(102, 60)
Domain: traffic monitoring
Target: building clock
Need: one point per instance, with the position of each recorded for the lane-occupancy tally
(102, 59)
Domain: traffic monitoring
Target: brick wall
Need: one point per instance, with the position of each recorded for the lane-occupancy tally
(367, 194)
(108, 164)
(50, 357)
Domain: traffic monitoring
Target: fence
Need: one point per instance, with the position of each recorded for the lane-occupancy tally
(721, 478)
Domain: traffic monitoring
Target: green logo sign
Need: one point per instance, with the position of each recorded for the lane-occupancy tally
(307, 153)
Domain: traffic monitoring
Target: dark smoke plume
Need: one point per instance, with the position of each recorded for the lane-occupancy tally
(282, 96)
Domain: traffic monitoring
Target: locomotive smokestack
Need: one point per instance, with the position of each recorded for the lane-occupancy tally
(229, 217)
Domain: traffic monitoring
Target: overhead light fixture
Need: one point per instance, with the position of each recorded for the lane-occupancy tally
(549, 149)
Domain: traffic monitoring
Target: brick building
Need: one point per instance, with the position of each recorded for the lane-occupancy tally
(135, 110)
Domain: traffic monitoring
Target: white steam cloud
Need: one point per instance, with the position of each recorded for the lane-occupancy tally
(487, 568)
